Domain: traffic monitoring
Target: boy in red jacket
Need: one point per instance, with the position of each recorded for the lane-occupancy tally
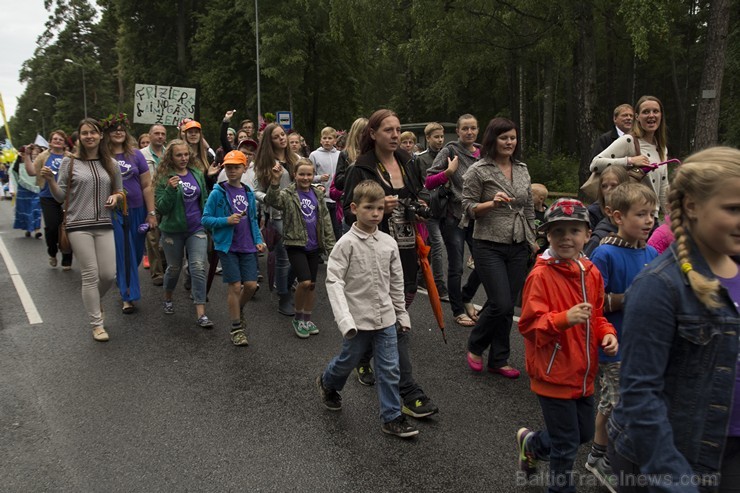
(563, 325)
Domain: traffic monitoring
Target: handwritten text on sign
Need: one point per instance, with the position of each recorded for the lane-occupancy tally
(163, 104)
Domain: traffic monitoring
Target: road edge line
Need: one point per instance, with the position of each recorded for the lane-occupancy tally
(33, 315)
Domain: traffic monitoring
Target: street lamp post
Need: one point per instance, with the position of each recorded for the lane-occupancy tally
(84, 90)
(257, 43)
(51, 96)
(43, 121)
(35, 128)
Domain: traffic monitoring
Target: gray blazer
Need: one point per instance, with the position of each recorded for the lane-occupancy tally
(505, 224)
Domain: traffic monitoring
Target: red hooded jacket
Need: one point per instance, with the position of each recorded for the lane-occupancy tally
(562, 361)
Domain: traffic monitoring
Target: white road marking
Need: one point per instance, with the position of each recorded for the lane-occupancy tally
(28, 305)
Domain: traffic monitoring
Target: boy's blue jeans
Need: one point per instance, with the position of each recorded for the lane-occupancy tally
(196, 244)
(569, 423)
(387, 373)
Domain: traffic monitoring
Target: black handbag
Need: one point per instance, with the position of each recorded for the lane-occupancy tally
(439, 197)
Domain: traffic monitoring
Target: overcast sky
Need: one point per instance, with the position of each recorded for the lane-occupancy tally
(22, 23)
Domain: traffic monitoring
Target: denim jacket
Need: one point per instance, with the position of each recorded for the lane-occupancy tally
(677, 377)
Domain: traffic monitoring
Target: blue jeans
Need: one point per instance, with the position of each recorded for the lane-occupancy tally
(387, 373)
(569, 423)
(502, 268)
(282, 264)
(454, 240)
(196, 245)
(437, 257)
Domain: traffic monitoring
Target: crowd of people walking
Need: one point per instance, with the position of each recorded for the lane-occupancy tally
(639, 288)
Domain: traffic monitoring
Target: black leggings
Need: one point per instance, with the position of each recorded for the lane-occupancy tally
(52, 212)
(305, 264)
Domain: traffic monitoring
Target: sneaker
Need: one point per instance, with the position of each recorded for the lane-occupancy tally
(300, 329)
(53, 261)
(239, 338)
(445, 297)
(204, 322)
(600, 468)
(527, 461)
(311, 328)
(169, 308)
(330, 398)
(420, 408)
(188, 284)
(399, 427)
(365, 375)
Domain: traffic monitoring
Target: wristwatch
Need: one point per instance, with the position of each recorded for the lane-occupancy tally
(151, 213)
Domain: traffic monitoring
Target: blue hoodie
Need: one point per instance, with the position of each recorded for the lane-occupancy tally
(216, 216)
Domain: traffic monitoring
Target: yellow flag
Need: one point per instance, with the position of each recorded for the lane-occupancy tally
(5, 119)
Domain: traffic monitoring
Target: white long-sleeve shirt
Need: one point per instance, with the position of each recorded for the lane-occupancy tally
(364, 281)
(325, 162)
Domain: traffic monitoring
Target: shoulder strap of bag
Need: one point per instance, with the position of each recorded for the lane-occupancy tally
(66, 194)
(637, 144)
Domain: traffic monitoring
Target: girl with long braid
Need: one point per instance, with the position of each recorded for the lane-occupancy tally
(678, 420)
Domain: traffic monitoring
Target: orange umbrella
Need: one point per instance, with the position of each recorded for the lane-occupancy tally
(422, 251)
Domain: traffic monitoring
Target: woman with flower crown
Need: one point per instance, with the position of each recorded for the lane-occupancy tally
(137, 183)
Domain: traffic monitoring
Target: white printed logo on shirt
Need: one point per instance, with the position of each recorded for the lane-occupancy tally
(189, 191)
(307, 207)
(240, 204)
(125, 169)
(54, 164)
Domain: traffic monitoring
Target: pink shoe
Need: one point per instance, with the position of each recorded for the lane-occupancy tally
(509, 372)
(474, 365)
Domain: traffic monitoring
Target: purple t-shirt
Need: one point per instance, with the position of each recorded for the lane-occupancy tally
(309, 208)
(132, 167)
(242, 242)
(191, 197)
(54, 161)
(733, 288)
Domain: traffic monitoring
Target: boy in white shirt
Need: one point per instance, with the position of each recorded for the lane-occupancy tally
(325, 160)
(364, 281)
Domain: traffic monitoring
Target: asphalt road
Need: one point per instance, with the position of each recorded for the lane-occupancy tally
(167, 406)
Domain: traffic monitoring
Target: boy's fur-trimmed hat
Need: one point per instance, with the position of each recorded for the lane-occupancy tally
(565, 209)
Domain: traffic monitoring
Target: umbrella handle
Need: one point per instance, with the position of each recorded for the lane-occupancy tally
(124, 207)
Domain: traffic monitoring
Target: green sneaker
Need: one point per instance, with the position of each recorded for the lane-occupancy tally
(311, 328)
(526, 459)
(300, 329)
(239, 338)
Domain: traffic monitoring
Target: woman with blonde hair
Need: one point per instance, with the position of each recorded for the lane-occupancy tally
(647, 144)
(347, 158)
(678, 418)
(180, 196)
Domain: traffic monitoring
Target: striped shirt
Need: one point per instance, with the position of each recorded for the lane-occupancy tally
(90, 189)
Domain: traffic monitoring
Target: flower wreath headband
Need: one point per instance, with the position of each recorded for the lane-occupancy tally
(114, 121)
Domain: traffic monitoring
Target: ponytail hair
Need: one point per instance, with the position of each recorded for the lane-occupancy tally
(699, 177)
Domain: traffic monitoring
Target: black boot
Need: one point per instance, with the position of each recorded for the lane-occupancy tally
(285, 306)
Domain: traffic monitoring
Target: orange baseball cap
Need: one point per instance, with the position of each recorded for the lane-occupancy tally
(191, 124)
(235, 157)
